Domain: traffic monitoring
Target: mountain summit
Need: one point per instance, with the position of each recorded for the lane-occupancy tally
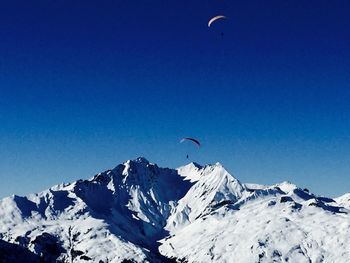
(139, 212)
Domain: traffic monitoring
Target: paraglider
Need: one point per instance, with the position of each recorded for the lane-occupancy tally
(196, 142)
(192, 140)
(215, 18)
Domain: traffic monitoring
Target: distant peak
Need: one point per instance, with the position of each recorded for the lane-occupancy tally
(194, 164)
(286, 186)
(218, 164)
(191, 171)
(141, 160)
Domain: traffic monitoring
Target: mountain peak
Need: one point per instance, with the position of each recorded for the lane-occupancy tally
(138, 161)
(213, 187)
(190, 172)
(141, 160)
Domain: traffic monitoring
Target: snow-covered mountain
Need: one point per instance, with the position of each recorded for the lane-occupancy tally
(139, 212)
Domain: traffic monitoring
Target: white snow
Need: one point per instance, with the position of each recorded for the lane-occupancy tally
(198, 213)
(344, 200)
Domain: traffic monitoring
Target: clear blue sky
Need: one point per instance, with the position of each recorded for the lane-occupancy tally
(85, 85)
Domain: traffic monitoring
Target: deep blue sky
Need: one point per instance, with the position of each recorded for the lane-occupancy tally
(85, 85)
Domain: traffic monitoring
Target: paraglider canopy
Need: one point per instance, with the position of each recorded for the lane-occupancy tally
(196, 142)
(215, 18)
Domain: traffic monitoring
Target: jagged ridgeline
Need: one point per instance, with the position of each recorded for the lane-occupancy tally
(139, 212)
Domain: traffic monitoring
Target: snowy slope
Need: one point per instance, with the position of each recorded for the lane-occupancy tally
(344, 200)
(118, 214)
(214, 187)
(139, 212)
(281, 223)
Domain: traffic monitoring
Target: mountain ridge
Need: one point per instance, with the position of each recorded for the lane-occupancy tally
(139, 212)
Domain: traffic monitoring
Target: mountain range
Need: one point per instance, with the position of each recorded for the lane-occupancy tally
(140, 212)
